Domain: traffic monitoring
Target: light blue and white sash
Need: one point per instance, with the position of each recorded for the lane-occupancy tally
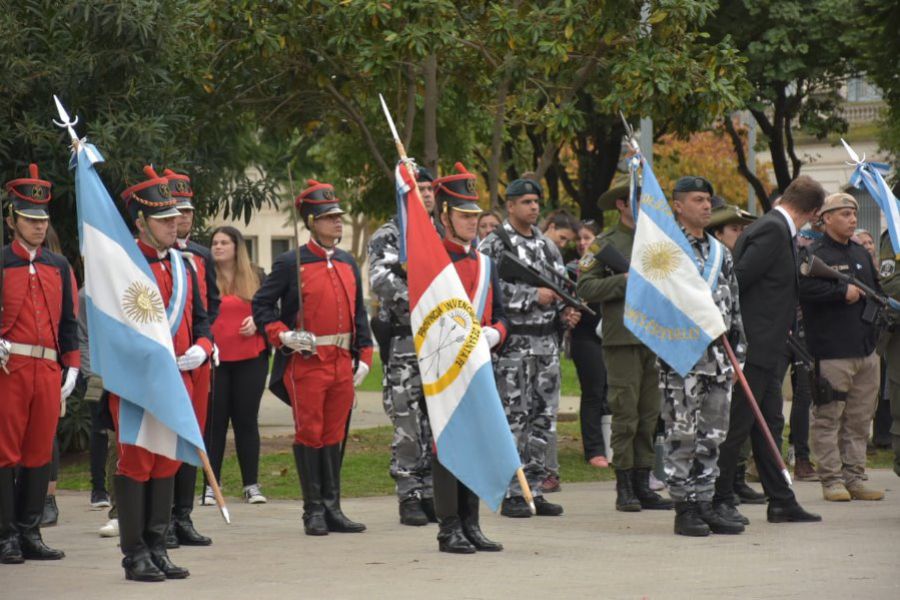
(175, 309)
(484, 284)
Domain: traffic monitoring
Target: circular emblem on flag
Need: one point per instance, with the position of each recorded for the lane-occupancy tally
(659, 260)
(444, 342)
(142, 304)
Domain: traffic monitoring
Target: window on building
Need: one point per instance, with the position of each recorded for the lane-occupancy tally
(251, 243)
(280, 245)
(860, 90)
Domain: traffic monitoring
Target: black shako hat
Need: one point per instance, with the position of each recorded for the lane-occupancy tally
(152, 197)
(520, 187)
(457, 191)
(30, 196)
(316, 201)
(180, 186)
(693, 183)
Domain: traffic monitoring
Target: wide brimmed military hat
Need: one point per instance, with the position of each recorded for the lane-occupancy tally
(30, 196)
(728, 214)
(838, 201)
(151, 198)
(694, 183)
(520, 187)
(607, 200)
(182, 191)
(317, 201)
(457, 191)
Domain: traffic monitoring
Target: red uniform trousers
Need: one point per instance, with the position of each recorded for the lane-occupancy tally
(29, 411)
(136, 462)
(200, 395)
(321, 397)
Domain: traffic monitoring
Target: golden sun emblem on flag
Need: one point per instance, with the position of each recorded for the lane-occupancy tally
(659, 260)
(142, 304)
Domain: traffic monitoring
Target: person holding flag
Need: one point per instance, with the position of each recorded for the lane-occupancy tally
(182, 530)
(318, 364)
(144, 479)
(456, 506)
(39, 363)
(696, 404)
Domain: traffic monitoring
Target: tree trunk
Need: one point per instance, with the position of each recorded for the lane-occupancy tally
(497, 131)
(430, 156)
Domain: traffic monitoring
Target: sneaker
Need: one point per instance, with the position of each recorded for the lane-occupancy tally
(859, 491)
(551, 484)
(599, 462)
(252, 495)
(835, 492)
(208, 498)
(99, 499)
(655, 484)
(111, 529)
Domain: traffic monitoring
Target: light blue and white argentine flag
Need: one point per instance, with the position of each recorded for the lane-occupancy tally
(470, 429)
(668, 301)
(868, 175)
(129, 327)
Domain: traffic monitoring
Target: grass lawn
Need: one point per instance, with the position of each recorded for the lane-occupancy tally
(570, 386)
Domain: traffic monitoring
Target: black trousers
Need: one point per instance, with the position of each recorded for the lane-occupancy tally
(799, 435)
(882, 421)
(238, 391)
(99, 445)
(766, 387)
(587, 354)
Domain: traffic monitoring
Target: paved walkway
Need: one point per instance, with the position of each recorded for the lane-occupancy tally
(590, 552)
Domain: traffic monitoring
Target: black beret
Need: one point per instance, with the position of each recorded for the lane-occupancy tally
(693, 183)
(423, 174)
(520, 187)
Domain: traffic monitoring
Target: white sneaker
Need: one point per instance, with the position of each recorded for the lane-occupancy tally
(655, 484)
(111, 529)
(208, 498)
(252, 495)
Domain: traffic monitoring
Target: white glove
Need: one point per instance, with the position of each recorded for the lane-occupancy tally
(68, 385)
(362, 369)
(4, 353)
(191, 359)
(303, 342)
(491, 335)
(215, 356)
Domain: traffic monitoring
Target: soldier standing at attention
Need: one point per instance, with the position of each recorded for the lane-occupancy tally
(890, 284)
(317, 373)
(182, 530)
(411, 448)
(696, 407)
(527, 371)
(145, 481)
(455, 504)
(633, 393)
(39, 362)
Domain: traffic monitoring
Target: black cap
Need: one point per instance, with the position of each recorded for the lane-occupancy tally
(694, 183)
(152, 197)
(457, 191)
(520, 187)
(317, 200)
(423, 174)
(180, 186)
(30, 196)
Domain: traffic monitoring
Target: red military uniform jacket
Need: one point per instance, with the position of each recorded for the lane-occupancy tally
(466, 263)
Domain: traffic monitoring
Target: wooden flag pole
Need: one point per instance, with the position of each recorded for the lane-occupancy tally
(526, 490)
(760, 419)
(217, 492)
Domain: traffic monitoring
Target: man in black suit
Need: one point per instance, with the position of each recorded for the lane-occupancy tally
(765, 261)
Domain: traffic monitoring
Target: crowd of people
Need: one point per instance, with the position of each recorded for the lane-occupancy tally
(799, 288)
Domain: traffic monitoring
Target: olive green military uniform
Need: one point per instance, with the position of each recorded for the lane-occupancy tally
(633, 379)
(890, 283)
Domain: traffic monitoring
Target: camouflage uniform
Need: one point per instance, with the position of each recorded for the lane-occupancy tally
(889, 344)
(527, 368)
(412, 446)
(695, 408)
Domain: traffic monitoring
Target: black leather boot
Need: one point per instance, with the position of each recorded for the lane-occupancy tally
(468, 513)
(335, 519)
(649, 499)
(31, 490)
(50, 516)
(10, 551)
(688, 521)
(412, 513)
(716, 521)
(743, 491)
(451, 537)
(309, 468)
(626, 501)
(184, 482)
(131, 503)
(428, 509)
(159, 511)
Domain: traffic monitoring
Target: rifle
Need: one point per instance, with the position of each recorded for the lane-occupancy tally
(814, 266)
(512, 269)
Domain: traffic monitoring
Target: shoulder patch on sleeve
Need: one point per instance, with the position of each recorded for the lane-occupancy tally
(887, 267)
(587, 262)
